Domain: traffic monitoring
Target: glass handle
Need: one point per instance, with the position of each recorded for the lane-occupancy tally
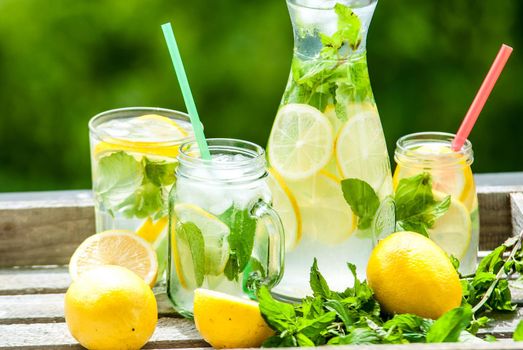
(276, 242)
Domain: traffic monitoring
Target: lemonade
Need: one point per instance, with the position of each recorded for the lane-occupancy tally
(457, 231)
(133, 157)
(327, 129)
(224, 234)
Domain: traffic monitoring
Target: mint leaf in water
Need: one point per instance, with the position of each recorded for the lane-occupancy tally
(362, 199)
(160, 172)
(117, 176)
(146, 201)
(192, 236)
(349, 27)
(241, 239)
(448, 327)
(416, 208)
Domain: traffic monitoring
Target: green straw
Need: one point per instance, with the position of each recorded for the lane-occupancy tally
(186, 90)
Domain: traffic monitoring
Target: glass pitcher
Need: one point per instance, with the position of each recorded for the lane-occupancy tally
(224, 234)
(327, 129)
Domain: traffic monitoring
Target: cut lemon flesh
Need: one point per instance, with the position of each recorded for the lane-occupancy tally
(285, 204)
(326, 216)
(150, 230)
(115, 247)
(215, 235)
(453, 231)
(361, 152)
(301, 141)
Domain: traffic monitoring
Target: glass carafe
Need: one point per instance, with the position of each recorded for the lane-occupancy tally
(327, 130)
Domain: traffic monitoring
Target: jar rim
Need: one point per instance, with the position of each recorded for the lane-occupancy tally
(252, 165)
(129, 112)
(329, 4)
(406, 145)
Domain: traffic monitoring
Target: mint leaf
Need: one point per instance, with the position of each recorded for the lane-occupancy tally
(362, 199)
(117, 176)
(241, 240)
(518, 333)
(317, 282)
(146, 201)
(413, 328)
(416, 208)
(349, 26)
(192, 236)
(448, 327)
(160, 172)
(280, 316)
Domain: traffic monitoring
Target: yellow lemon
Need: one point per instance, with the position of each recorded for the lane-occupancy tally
(110, 307)
(409, 273)
(225, 321)
(115, 247)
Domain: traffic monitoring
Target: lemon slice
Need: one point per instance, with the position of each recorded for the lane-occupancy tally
(301, 141)
(152, 124)
(361, 152)
(115, 247)
(285, 204)
(215, 235)
(453, 231)
(227, 321)
(150, 231)
(326, 216)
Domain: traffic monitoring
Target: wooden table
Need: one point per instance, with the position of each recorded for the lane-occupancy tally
(39, 232)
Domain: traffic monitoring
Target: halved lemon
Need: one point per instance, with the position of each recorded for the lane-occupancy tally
(154, 124)
(326, 216)
(227, 321)
(361, 152)
(457, 181)
(301, 141)
(453, 231)
(115, 247)
(215, 235)
(285, 204)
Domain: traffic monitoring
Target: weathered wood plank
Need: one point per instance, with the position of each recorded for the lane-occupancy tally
(169, 333)
(44, 308)
(495, 214)
(33, 280)
(516, 206)
(47, 227)
(44, 231)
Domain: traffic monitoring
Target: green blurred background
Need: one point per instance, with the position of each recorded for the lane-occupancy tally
(63, 61)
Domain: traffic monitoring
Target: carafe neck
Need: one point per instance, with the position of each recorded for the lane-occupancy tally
(330, 29)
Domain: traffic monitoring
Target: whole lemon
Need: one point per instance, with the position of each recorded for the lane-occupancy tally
(226, 321)
(110, 307)
(409, 273)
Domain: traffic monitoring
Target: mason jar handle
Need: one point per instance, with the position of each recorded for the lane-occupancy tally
(276, 248)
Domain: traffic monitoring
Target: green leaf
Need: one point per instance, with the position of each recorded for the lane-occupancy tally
(146, 201)
(362, 199)
(116, 176)
(160, 172)
(191, 234)
(357, 336)
(412, 327)
(280, 316)
(416, 209)
(518, 333)
(349, 26)
(448, 327)
(317, 282)
(241, 239)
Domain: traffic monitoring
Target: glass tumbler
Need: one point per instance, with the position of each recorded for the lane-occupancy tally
(457, 231)
(224, 234)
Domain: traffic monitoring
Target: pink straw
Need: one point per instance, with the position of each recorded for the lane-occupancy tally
(481, 97)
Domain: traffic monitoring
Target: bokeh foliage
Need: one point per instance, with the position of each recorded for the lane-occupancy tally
(63, 61)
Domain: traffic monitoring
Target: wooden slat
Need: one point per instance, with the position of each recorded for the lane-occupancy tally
(516, 205)
(33, 280)
(44, 231)
(45, 228)
(44, 308)
(495, 215)
(169, 333)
